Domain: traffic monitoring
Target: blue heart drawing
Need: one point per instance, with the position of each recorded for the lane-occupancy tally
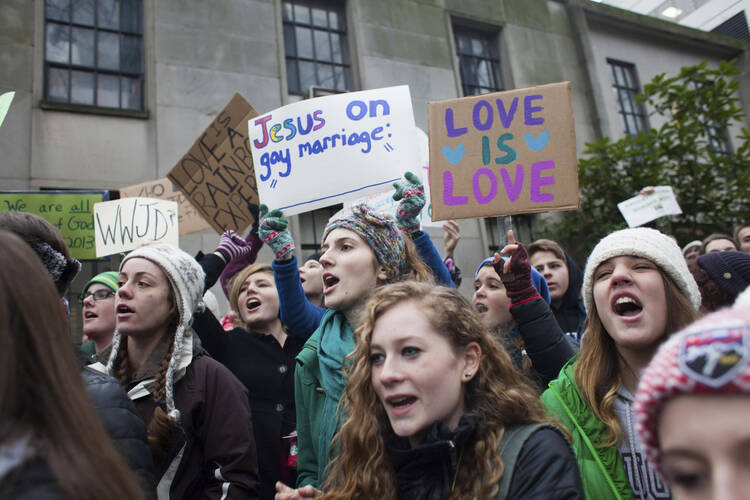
(536, 144)
(454, 155)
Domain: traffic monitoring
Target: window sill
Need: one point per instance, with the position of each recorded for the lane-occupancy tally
(93, 110)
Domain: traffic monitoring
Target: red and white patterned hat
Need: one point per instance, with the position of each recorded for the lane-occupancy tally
(711, 356)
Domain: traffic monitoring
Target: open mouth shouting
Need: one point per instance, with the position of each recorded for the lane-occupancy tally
(329, 283)
(627, 306)
(124, 311)
(252, 304)
(400, 404)
(90, 315)
(481, 308)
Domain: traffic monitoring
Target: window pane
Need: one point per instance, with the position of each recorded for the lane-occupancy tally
(108, 91)
(477, 49)
(108, 51)
(58, 9)
(287, 12)
(325, 75)
(109, 14)
(82, 52)
(290, 46)
(131, 93)
(338, 78)
(131, 16)
(57, 84)
(292, 78)
(322, 46)
(483, 75)
(130, 55)
(81, 87)
(306, 75)
(58, 42)
(336, 55)
(333, 20)
(301, 14)
(319, 18)
(304, 42)
(629, 81)
(83, 12)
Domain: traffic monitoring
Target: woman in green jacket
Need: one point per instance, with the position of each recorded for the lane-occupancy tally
(637, 291)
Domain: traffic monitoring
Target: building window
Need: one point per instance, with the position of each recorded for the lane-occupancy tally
(478, 61)
(317, 53)
(625, 87)
(311, 226)
(94, 52)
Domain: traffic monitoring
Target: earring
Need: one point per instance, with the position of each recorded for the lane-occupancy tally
(467, 375)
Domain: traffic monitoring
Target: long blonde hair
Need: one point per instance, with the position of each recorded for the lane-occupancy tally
(597, 369)
(497, 395)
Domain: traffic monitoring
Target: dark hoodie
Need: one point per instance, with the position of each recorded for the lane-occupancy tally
(571, 313)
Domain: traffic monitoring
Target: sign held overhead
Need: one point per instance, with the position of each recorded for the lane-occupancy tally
(503, 153)
(130, 223)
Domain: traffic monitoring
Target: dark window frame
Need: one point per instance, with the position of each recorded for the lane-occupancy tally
(489, 41)
(94, 69)
(628, 90)
(292, 57)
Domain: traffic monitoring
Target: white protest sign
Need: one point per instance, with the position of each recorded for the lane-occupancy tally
(130, 223)
(319, 152)
(644, 208)
(383, 202)
(5, 101)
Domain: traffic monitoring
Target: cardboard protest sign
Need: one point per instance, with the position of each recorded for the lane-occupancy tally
(5, 101)
(503, 153)
(190, 219)
(71, 212)
(130, 223)
(319, 152)
(644, 208)
(216, 174)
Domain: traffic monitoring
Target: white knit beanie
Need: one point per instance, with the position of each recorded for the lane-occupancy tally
(187, 279)
(646, 243)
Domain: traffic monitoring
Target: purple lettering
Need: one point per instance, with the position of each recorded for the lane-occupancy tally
(476, 115)
(452, 130)
(506, 117)
(513, 188)
(482, 199)
(537, 181)
(529, 109)
(448, 197)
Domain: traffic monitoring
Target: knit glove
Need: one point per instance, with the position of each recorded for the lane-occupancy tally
(274, 233)
(232, 246)
(517, 281)
(410, 195)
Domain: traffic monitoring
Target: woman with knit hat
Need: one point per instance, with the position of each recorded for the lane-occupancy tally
(98, 313)
(361, 250)
(721, 277)
(637, 291)
(692, 405)
(199, 423)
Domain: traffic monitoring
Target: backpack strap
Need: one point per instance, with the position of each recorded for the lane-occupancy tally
(510, 446)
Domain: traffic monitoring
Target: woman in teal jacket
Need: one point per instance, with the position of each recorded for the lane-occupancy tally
(638, 291)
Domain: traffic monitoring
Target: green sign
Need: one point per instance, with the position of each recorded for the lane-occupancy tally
(72, 212)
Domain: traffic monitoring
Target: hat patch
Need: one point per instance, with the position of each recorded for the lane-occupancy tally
(715, 357)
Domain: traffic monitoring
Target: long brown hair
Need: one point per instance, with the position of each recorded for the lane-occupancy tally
(598, 368)
(497, 395)
(41, 391)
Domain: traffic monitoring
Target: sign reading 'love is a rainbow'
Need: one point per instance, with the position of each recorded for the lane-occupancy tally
(503, 153)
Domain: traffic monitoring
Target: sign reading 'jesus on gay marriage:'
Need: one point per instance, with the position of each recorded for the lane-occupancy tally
(503, 153)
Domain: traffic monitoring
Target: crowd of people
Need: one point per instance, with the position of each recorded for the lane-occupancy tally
(363, 373)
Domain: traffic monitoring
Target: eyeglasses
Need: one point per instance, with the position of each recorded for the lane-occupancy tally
(97, 295)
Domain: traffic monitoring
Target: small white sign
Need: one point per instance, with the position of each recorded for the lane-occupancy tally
(129, 223)
(319, 152)
(644, 208)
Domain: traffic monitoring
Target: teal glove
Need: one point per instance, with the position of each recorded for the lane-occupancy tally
(412, 200)
(273, 231)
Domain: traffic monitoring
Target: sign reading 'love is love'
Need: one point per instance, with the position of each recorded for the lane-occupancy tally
(503, 153)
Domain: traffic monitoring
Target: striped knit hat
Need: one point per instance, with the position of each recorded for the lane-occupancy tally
(380, 232)
(187, 280)
(711, 356)
(107, 278)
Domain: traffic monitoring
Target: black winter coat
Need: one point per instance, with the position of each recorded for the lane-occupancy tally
(32, 480)
(123, 424)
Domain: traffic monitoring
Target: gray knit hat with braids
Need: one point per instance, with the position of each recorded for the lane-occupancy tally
(187, 279)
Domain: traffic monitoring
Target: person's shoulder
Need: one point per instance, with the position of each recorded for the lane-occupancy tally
(103, 390)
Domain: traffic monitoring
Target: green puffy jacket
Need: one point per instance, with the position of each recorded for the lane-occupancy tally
(602, 469)
(309, 402)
